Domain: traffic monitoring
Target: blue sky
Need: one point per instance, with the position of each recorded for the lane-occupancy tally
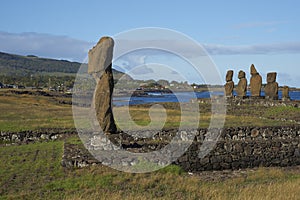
(235, 33)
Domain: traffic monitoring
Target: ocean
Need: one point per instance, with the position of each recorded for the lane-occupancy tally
(179, 97)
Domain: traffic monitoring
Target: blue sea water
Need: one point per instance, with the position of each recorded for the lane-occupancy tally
(180, 97)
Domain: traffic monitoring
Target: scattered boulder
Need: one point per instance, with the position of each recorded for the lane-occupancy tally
(254, 133)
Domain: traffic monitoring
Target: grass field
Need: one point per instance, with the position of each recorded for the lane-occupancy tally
(30, 112)
(33, 171)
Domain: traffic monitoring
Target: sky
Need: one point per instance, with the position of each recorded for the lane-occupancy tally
(234, 33)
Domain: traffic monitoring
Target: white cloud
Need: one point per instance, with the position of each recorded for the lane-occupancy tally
(190, 49)
(155, 71)
(258, 24)
(288, 79)
(129, 61)
(141, 70)
(44, 45)
(276, 48)
(64, 47)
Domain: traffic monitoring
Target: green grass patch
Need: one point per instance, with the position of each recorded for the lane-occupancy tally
(172, 169)
(74, 140)
(28, 112)
(26, 169)
(33, 171)
(283, 112)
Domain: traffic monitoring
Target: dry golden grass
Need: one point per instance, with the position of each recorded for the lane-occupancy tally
(28, 112)
(261, 184)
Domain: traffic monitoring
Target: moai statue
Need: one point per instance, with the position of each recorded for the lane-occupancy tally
(229, 84)
(100, 66)
(242, 85)
(255, 82)
(285, 93)
(271, 89)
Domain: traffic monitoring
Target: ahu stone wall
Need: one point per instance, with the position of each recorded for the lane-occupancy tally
(236, 148)
(7, 137)
(246, 147)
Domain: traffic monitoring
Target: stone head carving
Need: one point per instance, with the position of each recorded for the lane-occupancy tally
(242, 85)
(229, 84)
(253, 70)
(271, 77)
(271, 89)
(242, 74)
(229, 75)
(255, 82)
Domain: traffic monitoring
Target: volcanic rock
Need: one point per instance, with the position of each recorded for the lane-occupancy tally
(255, 82)
(242, 85)
(100, 66)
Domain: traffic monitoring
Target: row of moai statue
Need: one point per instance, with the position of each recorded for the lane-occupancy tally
(271, 88)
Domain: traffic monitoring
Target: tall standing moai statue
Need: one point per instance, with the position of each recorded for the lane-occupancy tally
(241, 89)
(286, 93)
(100, 66)
(271, 89)
(229, 86)
(255, 82)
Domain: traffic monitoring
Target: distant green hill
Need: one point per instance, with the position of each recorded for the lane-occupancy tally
(32, 64)
(16, 64)
(34, 71)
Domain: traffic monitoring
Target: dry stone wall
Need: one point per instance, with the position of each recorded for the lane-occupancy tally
(246, 147)
(34, 136)
(237, 148)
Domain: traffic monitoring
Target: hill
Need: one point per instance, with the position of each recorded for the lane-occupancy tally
(34, 71)
(32, 64)
(17, 64)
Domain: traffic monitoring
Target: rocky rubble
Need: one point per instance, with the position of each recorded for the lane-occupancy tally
(34, 136)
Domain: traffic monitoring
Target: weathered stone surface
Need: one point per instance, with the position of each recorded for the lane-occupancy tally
(254, 133)
(271, 89)
(100, 56)
(34, 136)
(100, 66)
(271, 77)
(229, 75)
(255, 82)
(242, 85)
(252, 148)
(285, 93)
(229, 84)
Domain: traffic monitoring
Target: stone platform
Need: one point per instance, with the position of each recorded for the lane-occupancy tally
(236, 148)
